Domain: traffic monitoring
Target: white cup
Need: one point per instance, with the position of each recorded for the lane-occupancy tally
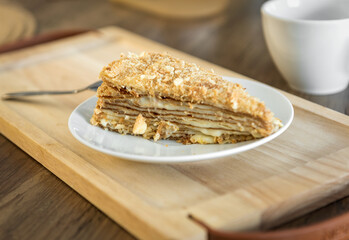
(309, 42)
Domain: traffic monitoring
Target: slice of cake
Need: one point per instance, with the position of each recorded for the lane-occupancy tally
(158, 96)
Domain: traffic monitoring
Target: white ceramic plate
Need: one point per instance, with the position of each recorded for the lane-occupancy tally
(166, 151)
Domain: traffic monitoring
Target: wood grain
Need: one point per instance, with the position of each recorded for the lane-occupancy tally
(233, 40)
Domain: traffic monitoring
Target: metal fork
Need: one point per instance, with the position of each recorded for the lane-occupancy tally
(16, 95)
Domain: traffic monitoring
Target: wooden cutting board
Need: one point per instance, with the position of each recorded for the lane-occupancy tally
(304, 168)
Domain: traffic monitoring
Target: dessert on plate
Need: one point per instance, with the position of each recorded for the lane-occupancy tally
(158, 96)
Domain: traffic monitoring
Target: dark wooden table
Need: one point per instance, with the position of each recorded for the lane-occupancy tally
(34, 204)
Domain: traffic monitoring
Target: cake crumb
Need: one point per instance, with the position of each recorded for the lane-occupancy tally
(140, 125)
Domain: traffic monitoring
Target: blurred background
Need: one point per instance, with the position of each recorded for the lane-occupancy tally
(225, 32)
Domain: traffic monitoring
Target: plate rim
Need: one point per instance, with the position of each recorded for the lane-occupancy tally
(188, 158)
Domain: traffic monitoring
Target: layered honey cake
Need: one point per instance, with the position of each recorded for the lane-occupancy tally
(158, 96)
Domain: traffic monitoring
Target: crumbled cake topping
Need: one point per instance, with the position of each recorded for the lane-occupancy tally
(165, 130)
(140, 125)
(161, 75)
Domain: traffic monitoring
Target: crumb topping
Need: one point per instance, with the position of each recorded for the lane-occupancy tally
(165, 130)
(140, 125)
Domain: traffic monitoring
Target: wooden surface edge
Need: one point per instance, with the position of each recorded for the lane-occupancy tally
(263, 217)
(330, 191)
(317, 109)
(50, 153)
(43, 52)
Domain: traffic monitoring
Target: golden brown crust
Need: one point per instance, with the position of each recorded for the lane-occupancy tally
(161, 75)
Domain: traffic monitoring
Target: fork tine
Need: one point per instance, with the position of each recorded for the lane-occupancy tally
(95, 85)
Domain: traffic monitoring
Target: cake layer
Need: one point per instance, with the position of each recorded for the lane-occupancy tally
(114, 98)
(124, 124)
(204, 122)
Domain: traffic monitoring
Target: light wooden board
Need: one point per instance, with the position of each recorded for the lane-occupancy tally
(303, 169)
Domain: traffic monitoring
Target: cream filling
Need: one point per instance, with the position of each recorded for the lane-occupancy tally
(152, 102)
(204, 126)
(200, 125)
(175, 108)
(105, 123)
(202, 139)
(214, 133)
(205, 130)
